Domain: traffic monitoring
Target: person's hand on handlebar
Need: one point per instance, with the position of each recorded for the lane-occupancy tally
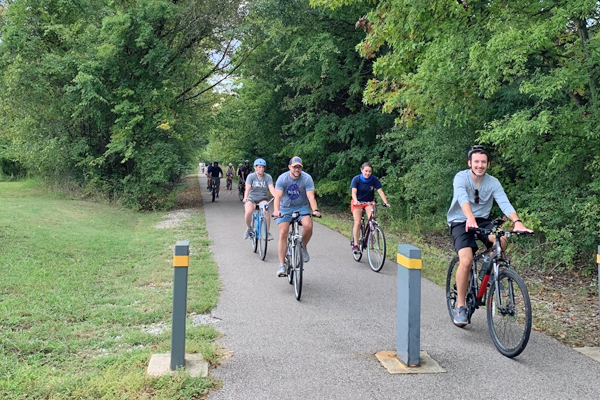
(519, 227)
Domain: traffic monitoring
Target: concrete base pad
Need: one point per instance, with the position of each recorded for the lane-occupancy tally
(394, 366)
(591, 352)
(160, 364)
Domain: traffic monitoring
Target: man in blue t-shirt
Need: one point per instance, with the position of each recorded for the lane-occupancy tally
(294, 191)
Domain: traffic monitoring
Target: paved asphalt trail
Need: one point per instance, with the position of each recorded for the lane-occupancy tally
(323, 346)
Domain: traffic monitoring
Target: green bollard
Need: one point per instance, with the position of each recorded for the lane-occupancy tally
(181, 262)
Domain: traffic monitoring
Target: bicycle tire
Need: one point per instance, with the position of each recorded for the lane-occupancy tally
(357, 256)
(451, 292)
(241, 192)
(253, 234)
(262, 238)
(376, 248)
(214, 193)
(288, 262)
(510, 323)
(298, 264)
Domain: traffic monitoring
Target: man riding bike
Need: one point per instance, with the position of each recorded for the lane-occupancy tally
(474, 195)
(294, 191)
(216, 174)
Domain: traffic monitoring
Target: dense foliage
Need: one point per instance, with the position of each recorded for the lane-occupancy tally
(109, 93)
(106, 93)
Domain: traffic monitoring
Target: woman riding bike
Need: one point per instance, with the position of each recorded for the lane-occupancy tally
(363, 188)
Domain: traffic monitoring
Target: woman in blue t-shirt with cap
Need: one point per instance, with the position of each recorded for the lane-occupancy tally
(363, 188)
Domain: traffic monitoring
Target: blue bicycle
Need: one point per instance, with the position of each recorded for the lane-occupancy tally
(259, 233)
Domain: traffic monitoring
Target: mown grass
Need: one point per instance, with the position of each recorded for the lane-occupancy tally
(86, 298)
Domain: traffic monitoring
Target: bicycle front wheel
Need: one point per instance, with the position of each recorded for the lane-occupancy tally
(241, 193)
(357, 256)
(262, 238)
(451, 292)
(254, 233)
(376, 248)
(509, 313)
(214, 193)
(298, 266)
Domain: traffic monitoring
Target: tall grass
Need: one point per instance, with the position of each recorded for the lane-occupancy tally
(86, 297)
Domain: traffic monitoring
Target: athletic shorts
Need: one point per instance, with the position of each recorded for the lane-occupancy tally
(464, 239)
(216, 180)
(288, 218)
(353, 207)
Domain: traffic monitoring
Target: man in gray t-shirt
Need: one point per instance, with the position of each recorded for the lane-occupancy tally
(294, 191)
(474, 195)
(258, 184)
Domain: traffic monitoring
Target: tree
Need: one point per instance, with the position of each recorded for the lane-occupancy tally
(107, 93)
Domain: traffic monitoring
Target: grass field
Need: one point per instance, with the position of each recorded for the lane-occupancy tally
(86, 297)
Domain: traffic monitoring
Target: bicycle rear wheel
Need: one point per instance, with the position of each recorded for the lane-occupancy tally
(254, 233)
(509, 313)
(262, 238)
(298, 264)
(376, 248)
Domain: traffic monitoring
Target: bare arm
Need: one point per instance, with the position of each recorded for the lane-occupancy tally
(382, 195)
(278, 193)
(310, 194)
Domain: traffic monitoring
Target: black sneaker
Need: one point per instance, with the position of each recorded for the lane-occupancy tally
(460, 316)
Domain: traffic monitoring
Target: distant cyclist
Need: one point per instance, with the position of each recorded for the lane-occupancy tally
(246, 170)
(240, 173)
(294, 191)
(363, 189)
(258, 185)
(216, 175)
(474, 195)
(209, 174)
(229, 174)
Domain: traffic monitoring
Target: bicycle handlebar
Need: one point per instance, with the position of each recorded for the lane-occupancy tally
(373, 203)
(291, 215)
(499, 232)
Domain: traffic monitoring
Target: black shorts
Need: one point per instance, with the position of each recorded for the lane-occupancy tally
(464, 239)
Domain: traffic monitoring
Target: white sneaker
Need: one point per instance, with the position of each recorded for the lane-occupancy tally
(269, 236)
(247, 234)
(281, 271)
(305, 255)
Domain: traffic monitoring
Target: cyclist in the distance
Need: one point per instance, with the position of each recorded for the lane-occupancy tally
(258, 185)
(216, 173)
(294, 191)
(474, 195)
(363, 187)
(229, 174)
(209, 174)
(246, 170)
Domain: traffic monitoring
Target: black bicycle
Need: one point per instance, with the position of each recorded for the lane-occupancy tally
(213, 187)
(371, 239)
(506, 300)
(241, 189)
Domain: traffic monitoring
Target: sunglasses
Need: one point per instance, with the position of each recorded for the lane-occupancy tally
(476, 196)
(297, 166)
